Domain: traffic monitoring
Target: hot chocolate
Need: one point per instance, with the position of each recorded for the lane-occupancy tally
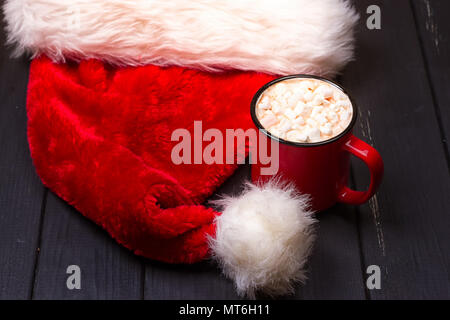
(304, 110)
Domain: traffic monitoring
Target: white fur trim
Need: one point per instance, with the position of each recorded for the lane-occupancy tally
(279, 37)
(263, 239)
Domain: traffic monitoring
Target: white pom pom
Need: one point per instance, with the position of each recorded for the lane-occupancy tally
(263, 239)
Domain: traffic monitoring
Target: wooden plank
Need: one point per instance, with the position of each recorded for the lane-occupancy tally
(335, 269)
(433, 26)
(404, 229)
(21, 193)
(108, 271)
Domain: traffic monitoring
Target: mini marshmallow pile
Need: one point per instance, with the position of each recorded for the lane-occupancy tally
(304, 110)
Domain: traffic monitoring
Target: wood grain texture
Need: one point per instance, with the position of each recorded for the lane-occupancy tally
(20, 190)
(433, 25)
(404, 229)
(335, 270)
(108, 271)
(400, 82)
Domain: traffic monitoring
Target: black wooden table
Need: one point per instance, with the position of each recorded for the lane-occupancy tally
(401, 83)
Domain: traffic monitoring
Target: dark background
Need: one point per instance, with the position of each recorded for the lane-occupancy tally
(400, 81)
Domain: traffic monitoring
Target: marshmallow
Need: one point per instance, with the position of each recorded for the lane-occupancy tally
(275, 132)
(284, 126)
(324, 90)
(290, 114)
(344, 115)
(326, 129)
(316, 111)
(287, 95)
(296, 136)
(264, 103)
(306, 85)
(332, 117)
(343, 104)
(311, 122)
(308, 96)
(299, 121)
(318, 99)
(276, 107)
(338, 95)
(268, 120)
(280, 89)
(326, 103)
(321, 119)
(300, 108)
(294, 99)
(313, 134)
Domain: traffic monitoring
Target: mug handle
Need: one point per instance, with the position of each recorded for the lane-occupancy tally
(373, 160)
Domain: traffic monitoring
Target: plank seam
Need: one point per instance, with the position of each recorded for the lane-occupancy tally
(436, 107)
(39, 242)
(360, 245)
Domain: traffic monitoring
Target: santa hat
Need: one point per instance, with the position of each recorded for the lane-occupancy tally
(112, 80)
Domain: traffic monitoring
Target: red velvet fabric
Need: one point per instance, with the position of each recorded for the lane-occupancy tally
(100, 138)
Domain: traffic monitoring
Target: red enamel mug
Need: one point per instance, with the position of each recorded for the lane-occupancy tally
(320, 169)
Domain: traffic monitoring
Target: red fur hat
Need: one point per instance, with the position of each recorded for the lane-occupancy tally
(107, 90)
